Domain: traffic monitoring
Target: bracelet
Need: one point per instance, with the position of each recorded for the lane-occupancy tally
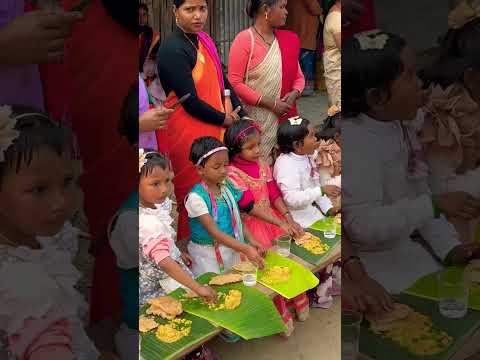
(275, 104)
(350, 259)
(286, 213)
(259, 100)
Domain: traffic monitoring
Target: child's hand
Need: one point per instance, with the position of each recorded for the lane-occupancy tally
(331, 190)
(297, 229)
(187, 259)
(252, 254)
(261, 250)
(208, 294)
(462, 254)
(458, 204)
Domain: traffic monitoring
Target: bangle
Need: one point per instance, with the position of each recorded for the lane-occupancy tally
(286, 213)
(259, 100)
(350, 259)
(275, 104)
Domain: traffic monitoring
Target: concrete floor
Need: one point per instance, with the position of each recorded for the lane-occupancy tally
(316, 339)
(314, 108)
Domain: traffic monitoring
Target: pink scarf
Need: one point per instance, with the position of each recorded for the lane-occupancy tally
(209, 45)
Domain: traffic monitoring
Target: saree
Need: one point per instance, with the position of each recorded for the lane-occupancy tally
(274, 76)
(183, 129)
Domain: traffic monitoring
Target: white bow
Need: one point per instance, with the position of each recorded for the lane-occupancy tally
(372, 40)
(297, 120)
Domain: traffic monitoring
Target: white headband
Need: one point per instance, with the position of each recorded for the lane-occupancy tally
(210, 153)
(142, 158)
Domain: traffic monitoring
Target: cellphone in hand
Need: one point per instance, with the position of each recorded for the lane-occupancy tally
(180, 101)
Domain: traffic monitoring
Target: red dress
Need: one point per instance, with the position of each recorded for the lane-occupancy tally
(101, 65)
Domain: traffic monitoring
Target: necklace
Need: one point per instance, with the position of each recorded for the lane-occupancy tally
(265, 41)
(197, 48)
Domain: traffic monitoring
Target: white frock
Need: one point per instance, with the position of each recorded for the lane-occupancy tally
(382, 205)
(44, 280)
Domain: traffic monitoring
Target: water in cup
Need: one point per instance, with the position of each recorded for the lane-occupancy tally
(283, 245)
(453, 290)
(330, 228)
(249, 279)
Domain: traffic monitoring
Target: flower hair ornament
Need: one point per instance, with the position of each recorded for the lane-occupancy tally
(463, 13)
(295, 121)
(8, 134)
(142, 160)
(372, 40)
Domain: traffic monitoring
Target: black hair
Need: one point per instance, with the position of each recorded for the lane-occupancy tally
(235, 144)
(460, 51)
(36, 132)
(128, 125)
(363, 70)
(330, 128)
(254, 6)
(179, 3)
(289, 136)
(201, 146)
(143, 6)
(154, 160)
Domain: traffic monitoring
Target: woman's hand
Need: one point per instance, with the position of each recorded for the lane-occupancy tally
(36, 37)
(296, 227)
(291, 97)
(232, 117)
(154, 119)
(281, 108)
(458, 204)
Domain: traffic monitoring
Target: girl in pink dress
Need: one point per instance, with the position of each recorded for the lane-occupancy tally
(269, 217)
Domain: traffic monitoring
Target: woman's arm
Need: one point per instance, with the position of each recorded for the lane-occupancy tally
(175, 72)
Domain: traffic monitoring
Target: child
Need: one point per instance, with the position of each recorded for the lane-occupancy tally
(269, 217)
(296, 174)
(217, 236)
(328, 157)
(299, 183)
(382, 204)
(451, 132)
(41, 310)
(162, 267)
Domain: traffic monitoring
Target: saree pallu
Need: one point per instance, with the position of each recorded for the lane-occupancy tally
(183, 129)
(266, 77)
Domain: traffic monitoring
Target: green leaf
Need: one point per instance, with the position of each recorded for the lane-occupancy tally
(256, 316)
(301, 279)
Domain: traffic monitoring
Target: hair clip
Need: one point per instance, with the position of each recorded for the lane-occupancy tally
(297, 120)
(8, 134)
(372, 40)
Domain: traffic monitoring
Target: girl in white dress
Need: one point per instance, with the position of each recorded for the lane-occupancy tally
(385, 196)
(41, 312)
(296, 174)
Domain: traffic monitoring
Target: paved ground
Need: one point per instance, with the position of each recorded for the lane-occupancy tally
(314, 108)
(316, 339)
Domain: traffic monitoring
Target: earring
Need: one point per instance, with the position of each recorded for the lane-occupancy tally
(266, 16)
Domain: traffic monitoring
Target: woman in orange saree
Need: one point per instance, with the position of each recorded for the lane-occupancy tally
(188, 63)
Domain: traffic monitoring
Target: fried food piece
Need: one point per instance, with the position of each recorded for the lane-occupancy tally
(225, 279)
(244, 266)
(145, 324)
(312, 243)
(174, 330)
(165, 306)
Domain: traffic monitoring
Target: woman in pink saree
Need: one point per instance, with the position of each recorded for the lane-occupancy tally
(263, 69)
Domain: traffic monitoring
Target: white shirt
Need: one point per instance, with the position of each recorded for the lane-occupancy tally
(300, 189)
(382, 206)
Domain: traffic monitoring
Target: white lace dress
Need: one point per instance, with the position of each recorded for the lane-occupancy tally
(35, 282)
